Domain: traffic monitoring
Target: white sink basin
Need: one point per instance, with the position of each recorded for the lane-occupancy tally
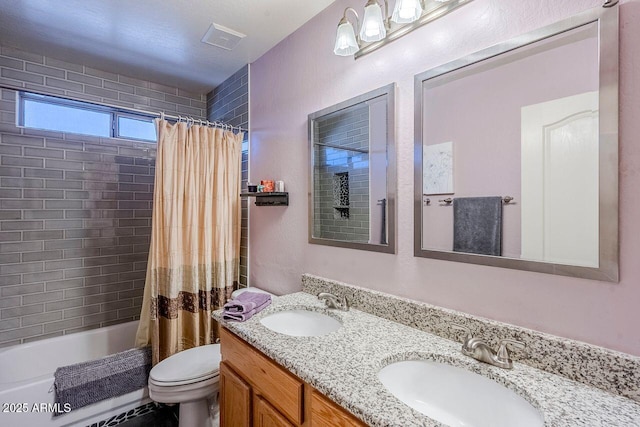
(301, 323)
(457, 397)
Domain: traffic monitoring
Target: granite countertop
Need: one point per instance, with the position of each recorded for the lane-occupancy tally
(344, 366)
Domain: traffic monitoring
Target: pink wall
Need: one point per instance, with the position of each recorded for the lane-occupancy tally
(480, 113)
(301, 75)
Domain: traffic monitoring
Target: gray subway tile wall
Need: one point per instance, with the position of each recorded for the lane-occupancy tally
(229, 102)
(349, 129)
(75, 211)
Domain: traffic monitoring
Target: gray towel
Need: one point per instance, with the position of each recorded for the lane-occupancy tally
(90, 382)
(477, 225)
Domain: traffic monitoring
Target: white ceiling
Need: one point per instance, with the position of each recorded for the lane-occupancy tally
(156, 40)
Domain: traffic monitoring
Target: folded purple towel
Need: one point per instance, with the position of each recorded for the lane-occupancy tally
(246, 302)
(242, 316)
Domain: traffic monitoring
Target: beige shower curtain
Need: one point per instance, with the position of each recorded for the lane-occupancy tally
(195, 239)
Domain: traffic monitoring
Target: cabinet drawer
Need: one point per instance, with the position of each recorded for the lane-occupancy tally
(278, 386)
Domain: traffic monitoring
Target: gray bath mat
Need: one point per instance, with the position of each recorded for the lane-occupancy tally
(90, 382)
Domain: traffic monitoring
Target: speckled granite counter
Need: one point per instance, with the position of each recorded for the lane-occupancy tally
(344, 366)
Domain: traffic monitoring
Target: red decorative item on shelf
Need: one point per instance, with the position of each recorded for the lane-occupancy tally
(269, 186)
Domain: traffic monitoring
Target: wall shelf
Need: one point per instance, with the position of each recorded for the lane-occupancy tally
(269, 198)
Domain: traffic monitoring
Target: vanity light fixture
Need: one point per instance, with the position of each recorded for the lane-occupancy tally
(373, 24)
(346, 41)
(407, 11)
(378, 28)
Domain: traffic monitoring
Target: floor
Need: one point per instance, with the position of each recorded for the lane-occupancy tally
(163, 417)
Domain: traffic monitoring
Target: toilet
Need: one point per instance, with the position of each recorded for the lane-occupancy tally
(190, 378)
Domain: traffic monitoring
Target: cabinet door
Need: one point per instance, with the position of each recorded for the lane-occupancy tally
(326, 413)
(235, 399)
(283, 390)
(265, 415)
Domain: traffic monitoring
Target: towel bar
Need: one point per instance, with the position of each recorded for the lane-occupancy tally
(449, 200)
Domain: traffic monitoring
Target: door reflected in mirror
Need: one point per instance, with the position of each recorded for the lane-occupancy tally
(352, 195)
(532, 121)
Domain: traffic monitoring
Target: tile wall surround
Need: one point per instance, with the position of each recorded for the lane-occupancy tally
(75, 211)
(609, 370)
(229, 103)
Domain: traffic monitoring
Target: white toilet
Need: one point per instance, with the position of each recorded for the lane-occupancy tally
(190, 378)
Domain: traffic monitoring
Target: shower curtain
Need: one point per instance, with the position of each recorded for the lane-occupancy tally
(195, 239)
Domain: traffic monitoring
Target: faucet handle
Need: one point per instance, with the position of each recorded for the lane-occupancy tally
(466, 330)
(332, 301)
(344, 303)
(503, 354)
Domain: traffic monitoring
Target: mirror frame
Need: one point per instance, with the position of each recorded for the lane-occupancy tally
(607, 19)
(390, 247)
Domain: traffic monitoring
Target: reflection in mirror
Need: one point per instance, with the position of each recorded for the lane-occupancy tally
(517, 152)
(352, 193)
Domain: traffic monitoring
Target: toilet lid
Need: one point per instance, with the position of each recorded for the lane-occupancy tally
(195, 363)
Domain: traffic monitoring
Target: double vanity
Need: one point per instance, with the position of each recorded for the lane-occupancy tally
(515, 166)
(361, 368)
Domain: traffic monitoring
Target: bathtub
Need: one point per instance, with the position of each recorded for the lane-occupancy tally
(26, 377)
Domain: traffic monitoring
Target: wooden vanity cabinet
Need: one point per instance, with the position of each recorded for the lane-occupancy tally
(235, 397)
(265, 415)
(325, 412)
(255, 391)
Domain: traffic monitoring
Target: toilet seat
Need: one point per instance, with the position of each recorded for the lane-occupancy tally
(183, 382)
(188, 377)
(190, 392)
(187, 367)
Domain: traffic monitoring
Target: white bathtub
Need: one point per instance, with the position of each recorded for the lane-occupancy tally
(26, 377)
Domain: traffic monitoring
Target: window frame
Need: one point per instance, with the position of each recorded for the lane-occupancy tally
(114, 113)
(115, 124)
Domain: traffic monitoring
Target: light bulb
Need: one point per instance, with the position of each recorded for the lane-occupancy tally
(373, 29)
(346, 43)
(406, 11)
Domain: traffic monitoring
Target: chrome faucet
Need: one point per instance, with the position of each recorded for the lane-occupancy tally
(332, 301)
(479, 350)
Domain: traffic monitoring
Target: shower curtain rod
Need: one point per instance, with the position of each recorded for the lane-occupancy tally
(161, 115)
(190, 120)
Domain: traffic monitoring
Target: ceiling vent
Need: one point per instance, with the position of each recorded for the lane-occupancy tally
(222, 37)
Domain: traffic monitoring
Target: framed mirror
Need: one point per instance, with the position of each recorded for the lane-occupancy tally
(352, 180)
(516, 152)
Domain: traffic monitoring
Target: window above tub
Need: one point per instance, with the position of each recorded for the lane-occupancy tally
(53, 113)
